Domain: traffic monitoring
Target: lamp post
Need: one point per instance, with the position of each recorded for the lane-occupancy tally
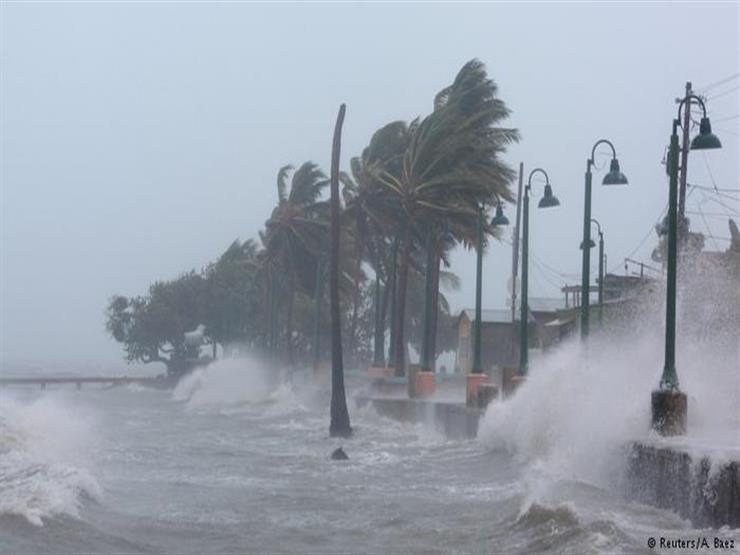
(601, 274)
(498, 220)
(477, 376)
(591, 245)
(547, 201)
(668, 402)
(614, 177)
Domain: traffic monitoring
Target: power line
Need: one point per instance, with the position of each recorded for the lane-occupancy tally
(727, 131)
(722, 204)
(719, 95)
(718, 83)
(713, 189)
(544, 275)
(645, 238)
(711, 214)
(709, 231)
(726, 118)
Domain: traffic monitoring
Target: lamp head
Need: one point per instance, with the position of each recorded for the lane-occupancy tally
(548, 200)
(661, 228)
(499, 218)
(705, 140)
(591, 244)
(446, 236)
(615, 176)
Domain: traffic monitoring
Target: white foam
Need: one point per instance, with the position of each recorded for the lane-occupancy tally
(578, 411)
(44, 446)
(230, 383)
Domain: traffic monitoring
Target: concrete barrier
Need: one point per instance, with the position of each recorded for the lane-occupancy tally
(671, 478)
(454, 420)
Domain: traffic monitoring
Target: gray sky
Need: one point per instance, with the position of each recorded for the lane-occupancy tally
(140, 139)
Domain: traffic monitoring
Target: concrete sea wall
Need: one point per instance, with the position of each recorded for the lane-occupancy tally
(454, 420)
(705, 492)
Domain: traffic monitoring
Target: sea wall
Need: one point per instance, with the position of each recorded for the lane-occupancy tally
(454, 420)
(701, 490)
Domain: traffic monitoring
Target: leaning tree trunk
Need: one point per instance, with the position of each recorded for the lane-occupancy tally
(339, 424)
(403, 275)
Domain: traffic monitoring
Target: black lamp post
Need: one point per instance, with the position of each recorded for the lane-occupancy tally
(614, 177)
(498, 220)
(547, 201)
(602, 263)
(668, 402)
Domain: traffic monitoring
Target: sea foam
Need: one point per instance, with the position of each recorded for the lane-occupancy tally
(44, 444)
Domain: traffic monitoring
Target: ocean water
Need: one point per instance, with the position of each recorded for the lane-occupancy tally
(232, 462)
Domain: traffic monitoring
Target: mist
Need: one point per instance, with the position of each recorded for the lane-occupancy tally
(139, 140)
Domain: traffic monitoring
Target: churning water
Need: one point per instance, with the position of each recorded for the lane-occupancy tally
(229, 463)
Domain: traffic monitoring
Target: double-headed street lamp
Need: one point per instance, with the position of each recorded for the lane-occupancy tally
(669, 403)
(547, 201)
(498, 220)
(614, 177)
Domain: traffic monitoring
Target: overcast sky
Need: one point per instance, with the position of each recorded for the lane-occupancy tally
(140, 139)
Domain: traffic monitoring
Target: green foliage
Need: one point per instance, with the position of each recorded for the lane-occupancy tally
(430, 173)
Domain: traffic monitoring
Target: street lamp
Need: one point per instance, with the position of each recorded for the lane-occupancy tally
(547, 201)
(668, 402)
(498, 220)
(591, 245)
(614, 177)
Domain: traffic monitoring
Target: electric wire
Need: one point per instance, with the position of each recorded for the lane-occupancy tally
(718, 83)
(726, 118)
(719, 95)
(709, 230)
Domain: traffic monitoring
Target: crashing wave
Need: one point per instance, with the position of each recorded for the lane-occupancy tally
(41, 446)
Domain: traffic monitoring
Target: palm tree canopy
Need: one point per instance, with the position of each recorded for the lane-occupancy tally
(452, 163)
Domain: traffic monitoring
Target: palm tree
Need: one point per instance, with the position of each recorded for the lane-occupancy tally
(339, 416)
(293, 238)
(450, 167)
(366, 214)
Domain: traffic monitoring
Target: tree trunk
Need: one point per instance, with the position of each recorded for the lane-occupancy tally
(339, 419)
(403, 275)
(355, 304)
(435, 309)
(289, 322)
(393, 297)
(379, 331)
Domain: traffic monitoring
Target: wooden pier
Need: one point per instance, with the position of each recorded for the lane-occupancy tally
(160, 382)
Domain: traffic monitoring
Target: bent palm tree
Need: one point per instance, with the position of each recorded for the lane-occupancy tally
(450, 168)
(294, 235)
(339, 416)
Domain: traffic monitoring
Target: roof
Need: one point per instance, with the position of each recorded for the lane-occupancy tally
(557, 322)
(491, 316)
(544, 304)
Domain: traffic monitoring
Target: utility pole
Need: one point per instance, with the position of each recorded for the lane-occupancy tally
(515, 258)
(684, 160)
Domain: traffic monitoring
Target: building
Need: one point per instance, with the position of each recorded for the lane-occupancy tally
(500, 336)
